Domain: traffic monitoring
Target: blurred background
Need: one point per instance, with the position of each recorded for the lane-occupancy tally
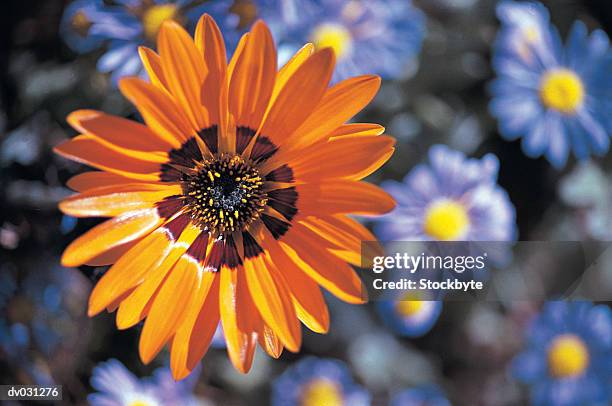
(441, 97)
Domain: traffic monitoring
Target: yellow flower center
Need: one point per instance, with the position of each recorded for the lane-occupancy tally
(567, 356)
(139, 403)
(446, 220)
(80, 23)
(410, 304)
(409, 307)
(154, 16)
(562, 90)
(335, 36)
(322, 392)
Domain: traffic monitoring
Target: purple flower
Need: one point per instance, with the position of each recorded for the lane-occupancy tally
(127, 24)
(567, 358)
(556, 98)
(318, 381)
(375, 36)
(452, 198)
(117, 386)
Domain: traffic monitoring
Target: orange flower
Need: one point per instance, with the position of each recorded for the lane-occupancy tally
(231, 202)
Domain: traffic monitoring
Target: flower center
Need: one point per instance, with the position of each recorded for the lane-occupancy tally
(409, 307)
(562, 90)
(335, 36)
(154, 16)
(225, 193)
(80, 23)
(139, 403)
(322, 392)
(567, 356)
(446, 220)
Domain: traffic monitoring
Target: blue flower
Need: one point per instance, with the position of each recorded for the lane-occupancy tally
(524, 31)
(412, 315)
(375, 36)
(76, 24)
(317, 381)
(567, 358)
(172, 392)
(453, 198)
(424, 395)
(116, 385)
(128, 24)
(557, 98)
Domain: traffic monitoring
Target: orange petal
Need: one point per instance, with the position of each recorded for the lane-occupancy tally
(289, 69)
(94, 179)
(184, 70)
(135, 307)
(299, 97)
(227, 128)
(109, 201)
(357, 130)
(339, 104)
(115, 303)
(307, 251)
(343, 157)
(248, 317)
(109, 234)
(273, 300)
(89, 150)
(252, 78)
(348, 235)
(309, 302)
(129, 271)
(270, 342)
(209, 41)
(152, 64)
(240, 344)
(343, 196)
(158, 157)
(124, 133)
(169, 307)
(112, 255)
(159, 111)
(194, 335)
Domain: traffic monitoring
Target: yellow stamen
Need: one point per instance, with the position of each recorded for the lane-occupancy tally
(154, 16)
(81, 23)
(410, 304)
(446, 220)
(335, 36)
(567, 356)
(409, 307)
(322, 392)
(562, 90)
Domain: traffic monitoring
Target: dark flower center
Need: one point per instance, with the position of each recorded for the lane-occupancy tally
(225, 193)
